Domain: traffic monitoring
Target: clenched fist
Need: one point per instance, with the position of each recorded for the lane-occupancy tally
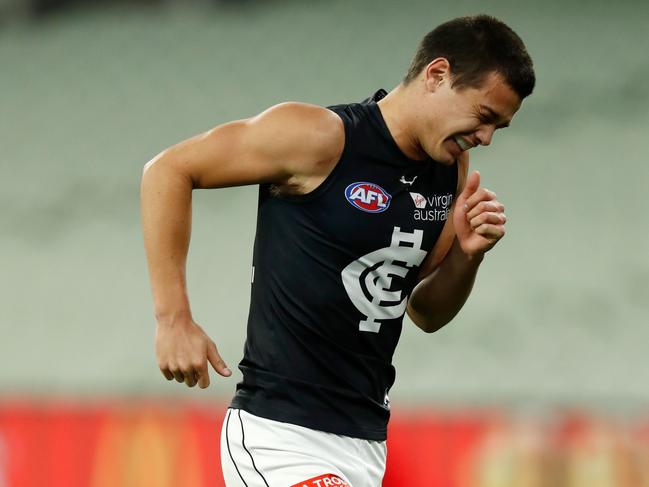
(183, 350)
(479, 218)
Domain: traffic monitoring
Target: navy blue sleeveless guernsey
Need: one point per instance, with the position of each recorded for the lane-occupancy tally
(332, 272)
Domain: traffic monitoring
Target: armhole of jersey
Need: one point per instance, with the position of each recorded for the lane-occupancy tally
(428, 266)
(324, 185)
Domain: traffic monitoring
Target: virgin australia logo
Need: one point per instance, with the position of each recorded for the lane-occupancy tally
(431, 208)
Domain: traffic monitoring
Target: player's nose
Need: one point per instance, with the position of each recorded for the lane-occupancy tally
(485, 134)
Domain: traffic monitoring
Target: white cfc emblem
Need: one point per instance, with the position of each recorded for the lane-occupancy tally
(368, 280)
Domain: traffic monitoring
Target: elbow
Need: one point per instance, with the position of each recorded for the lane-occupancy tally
(164, 167)
(425, 327)
(158, 161)
(429, 327)
(150, 168)
(425, 322)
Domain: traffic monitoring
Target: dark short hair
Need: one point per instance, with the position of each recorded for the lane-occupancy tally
(474, 47)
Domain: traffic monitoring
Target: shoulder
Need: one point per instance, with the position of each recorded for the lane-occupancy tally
(290, 110)
(308, 141)
(304, 129)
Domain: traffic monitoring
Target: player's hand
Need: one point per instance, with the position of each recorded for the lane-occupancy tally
(479, 218)
(183, 350)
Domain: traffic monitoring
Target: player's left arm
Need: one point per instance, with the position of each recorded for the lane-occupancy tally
(475, 224)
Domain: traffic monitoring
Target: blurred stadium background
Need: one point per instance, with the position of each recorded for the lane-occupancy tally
(543, 379)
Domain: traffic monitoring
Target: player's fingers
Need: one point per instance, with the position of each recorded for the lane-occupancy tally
(482, 194)
(191, 378)
(492, 232)
(178, 375)
(493, 206)
(216, 360)
(488, 217)
(167, 373)
(203, 377)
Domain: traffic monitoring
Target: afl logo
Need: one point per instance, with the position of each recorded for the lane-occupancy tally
(368, 197)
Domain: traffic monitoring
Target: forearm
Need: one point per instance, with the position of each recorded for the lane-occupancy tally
(440, 296)
(166, 195)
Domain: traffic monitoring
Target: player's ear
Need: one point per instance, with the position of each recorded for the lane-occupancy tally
(436, 73)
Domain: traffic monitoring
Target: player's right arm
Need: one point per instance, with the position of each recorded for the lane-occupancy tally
(292, 145)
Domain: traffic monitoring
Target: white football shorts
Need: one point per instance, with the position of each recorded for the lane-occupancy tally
(259, 452)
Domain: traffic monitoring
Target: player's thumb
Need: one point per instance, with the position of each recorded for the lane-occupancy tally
(471, 186)
(216, 360)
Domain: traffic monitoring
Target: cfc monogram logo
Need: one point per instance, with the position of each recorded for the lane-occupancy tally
(368, 280)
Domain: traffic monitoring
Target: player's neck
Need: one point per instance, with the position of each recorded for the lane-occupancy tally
(395, 110)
